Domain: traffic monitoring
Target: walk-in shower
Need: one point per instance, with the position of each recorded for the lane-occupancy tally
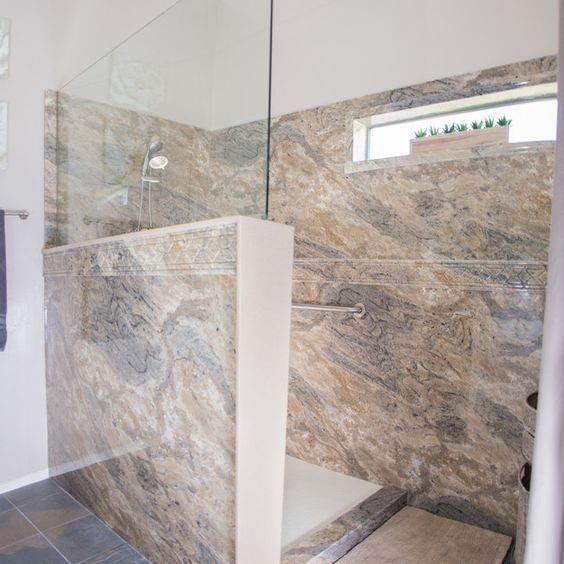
(191, 87)
(167, 306)
(418, 283)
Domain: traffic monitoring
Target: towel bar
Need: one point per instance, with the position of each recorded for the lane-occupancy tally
(358, 309)
(22, 214)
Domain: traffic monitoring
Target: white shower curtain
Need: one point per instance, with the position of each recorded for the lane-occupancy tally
(546, 509)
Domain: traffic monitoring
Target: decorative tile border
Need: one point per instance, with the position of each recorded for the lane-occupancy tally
(333, 541)
(470, 275)
(205, 250)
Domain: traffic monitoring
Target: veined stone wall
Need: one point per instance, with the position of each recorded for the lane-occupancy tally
(427, 390)
(141, 383)
(167, 377)
(94, 154)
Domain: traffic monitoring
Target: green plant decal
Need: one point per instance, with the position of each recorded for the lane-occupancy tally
(488, 122)
(503, 121)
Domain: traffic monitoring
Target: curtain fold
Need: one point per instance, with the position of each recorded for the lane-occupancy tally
(3, 284)
(545, 532)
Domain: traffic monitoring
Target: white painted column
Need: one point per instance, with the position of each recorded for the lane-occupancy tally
(264, 299)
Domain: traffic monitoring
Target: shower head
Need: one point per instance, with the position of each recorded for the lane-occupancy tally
(154, 146)
(158, 162)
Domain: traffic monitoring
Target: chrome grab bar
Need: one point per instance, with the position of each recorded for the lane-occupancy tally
(358, 309)
(22, 214)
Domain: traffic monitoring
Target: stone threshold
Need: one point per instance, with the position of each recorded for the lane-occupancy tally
(332, 542)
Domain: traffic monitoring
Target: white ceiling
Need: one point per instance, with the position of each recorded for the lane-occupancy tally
(204, 62)
(331, 50)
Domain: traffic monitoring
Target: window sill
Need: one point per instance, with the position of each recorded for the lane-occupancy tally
(451, 155)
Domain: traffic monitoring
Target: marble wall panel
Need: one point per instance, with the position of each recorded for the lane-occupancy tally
(237, 173)
(493, 207)
(141, 374)
(99, 154)
(50, 167)
(426, 392)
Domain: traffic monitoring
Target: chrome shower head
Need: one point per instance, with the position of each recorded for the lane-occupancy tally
(158, 162)
(154, 146)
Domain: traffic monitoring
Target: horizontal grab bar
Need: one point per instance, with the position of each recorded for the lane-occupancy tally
(358, 309)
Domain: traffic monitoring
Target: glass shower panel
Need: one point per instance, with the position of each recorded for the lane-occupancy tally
(171, 127)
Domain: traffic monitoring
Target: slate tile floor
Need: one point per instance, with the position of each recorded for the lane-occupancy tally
(42, 524)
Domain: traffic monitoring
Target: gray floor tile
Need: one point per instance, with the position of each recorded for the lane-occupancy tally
(83, 538)
(33, 550)
(52, 511)
(33, 492)
(5, 504)
(123, 554)
(14, 527)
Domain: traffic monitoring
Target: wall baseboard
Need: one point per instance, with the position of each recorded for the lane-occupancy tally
(24, 481)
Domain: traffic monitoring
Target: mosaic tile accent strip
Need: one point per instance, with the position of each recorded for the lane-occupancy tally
(470, 275)
(198, 251)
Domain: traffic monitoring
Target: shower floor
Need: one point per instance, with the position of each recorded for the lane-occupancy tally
(314, 497)
(414, 536)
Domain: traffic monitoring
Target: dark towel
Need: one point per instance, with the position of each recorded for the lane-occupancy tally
(3, 285)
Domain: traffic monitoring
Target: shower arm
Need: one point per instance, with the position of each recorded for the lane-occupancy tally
(145, 164)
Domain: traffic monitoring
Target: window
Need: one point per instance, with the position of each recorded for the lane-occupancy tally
(532, 111)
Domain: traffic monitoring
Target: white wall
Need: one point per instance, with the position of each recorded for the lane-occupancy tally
(165, 69)
(23, 429)
(331, 50)
(241, 63)
(85, 30)
(38, 30)
(203, 63)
